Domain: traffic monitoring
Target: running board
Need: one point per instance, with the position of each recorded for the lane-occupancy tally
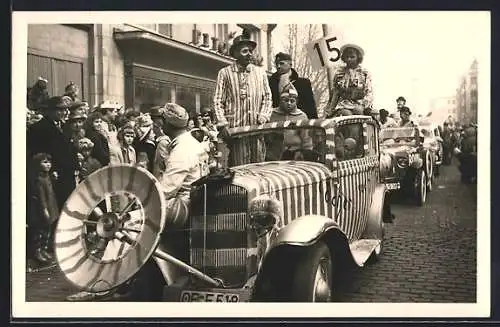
(362, 249)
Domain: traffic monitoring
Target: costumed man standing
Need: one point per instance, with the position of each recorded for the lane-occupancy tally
(242, 98)
(284, 75)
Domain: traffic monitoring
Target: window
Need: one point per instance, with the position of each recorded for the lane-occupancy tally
(349, 142)
(372, 140)
(58, 73)
(206, 98)
(149, 93)
(186, 97)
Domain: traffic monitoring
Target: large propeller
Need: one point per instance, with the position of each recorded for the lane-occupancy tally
(109, 227)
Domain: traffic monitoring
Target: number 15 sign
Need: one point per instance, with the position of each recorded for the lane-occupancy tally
(324, 52)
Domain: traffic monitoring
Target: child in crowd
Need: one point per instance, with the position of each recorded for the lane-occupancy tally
(45, 209)
(126, 136)
(89, 164)
(96, 132)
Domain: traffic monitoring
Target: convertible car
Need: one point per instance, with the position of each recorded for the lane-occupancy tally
(265, 229)
(408, 162)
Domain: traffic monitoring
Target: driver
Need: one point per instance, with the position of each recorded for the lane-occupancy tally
(405, 114)
(186, 162)
(292, 141)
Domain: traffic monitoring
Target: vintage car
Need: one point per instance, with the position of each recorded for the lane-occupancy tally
(260, 230)
(434, 142)
(407, 165)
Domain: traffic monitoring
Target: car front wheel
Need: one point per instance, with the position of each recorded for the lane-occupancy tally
(420, 187)
(313, 277)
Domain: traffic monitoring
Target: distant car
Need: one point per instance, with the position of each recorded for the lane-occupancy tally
(276, 230)
(406, 163)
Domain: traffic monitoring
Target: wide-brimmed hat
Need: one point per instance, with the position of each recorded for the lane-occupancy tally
(175, 115)
(239, 41)
(78, 113)
(40, 78)
(400, 99)
(352, 46)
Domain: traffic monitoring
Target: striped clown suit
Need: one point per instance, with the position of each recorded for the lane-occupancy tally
(243, 97)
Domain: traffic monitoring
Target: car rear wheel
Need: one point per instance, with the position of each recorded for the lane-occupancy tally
(420, 187)
(313, 276)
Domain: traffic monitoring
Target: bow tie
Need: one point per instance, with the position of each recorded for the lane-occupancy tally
(244, 69)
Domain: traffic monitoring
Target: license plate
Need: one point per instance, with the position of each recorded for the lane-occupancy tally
(393, 186)
(197, 296)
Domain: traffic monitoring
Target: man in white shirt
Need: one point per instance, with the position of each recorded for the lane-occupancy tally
(186, 162)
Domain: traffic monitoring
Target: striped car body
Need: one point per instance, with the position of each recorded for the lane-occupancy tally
(223, 247)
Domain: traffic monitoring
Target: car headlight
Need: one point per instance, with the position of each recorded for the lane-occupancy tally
(265, 213)
(402, 162)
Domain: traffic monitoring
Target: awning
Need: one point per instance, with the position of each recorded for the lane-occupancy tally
(139, 38)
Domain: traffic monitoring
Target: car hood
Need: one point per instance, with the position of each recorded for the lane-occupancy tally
(278, 175)
(393, 149)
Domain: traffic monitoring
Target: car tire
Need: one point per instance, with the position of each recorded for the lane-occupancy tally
(313, 276)
(420, 187)
(429, 172)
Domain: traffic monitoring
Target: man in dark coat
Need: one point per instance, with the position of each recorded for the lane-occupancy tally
(46, 136)
(286, 74)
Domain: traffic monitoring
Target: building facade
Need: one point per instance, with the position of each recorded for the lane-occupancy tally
(139, 65)
(442, 108)
(467, 95)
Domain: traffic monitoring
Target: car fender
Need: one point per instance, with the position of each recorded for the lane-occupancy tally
(305, 231)
(374, 229)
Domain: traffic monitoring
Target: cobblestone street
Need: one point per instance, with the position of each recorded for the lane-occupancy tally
(429, 254)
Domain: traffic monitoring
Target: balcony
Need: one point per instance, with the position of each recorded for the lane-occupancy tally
(159, 37)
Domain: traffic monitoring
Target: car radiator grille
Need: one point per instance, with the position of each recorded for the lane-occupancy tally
(218, 232)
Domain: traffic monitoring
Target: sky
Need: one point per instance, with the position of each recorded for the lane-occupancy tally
(419, 55)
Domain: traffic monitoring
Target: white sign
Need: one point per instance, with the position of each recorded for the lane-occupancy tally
(324, 52)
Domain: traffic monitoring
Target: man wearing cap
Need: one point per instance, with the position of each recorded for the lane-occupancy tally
(400, 103)
(186, 162)
(144, 143)
(405, 114)
(46, 136)
(286, 74)
(242, 96)
(352, 84)
(293, 144)
(385, 120)
(162, 141)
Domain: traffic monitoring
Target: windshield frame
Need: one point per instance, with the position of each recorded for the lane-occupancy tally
(416, 136)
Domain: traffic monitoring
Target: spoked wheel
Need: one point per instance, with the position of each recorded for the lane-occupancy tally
(429, 172)
(420, 187)
(109, 227)
(313, 278)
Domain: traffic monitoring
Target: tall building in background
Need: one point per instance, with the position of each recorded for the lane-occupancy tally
(139, 65)
(442, 108)
(467, 95)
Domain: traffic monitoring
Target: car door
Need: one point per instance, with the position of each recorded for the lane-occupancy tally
(353, 171)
